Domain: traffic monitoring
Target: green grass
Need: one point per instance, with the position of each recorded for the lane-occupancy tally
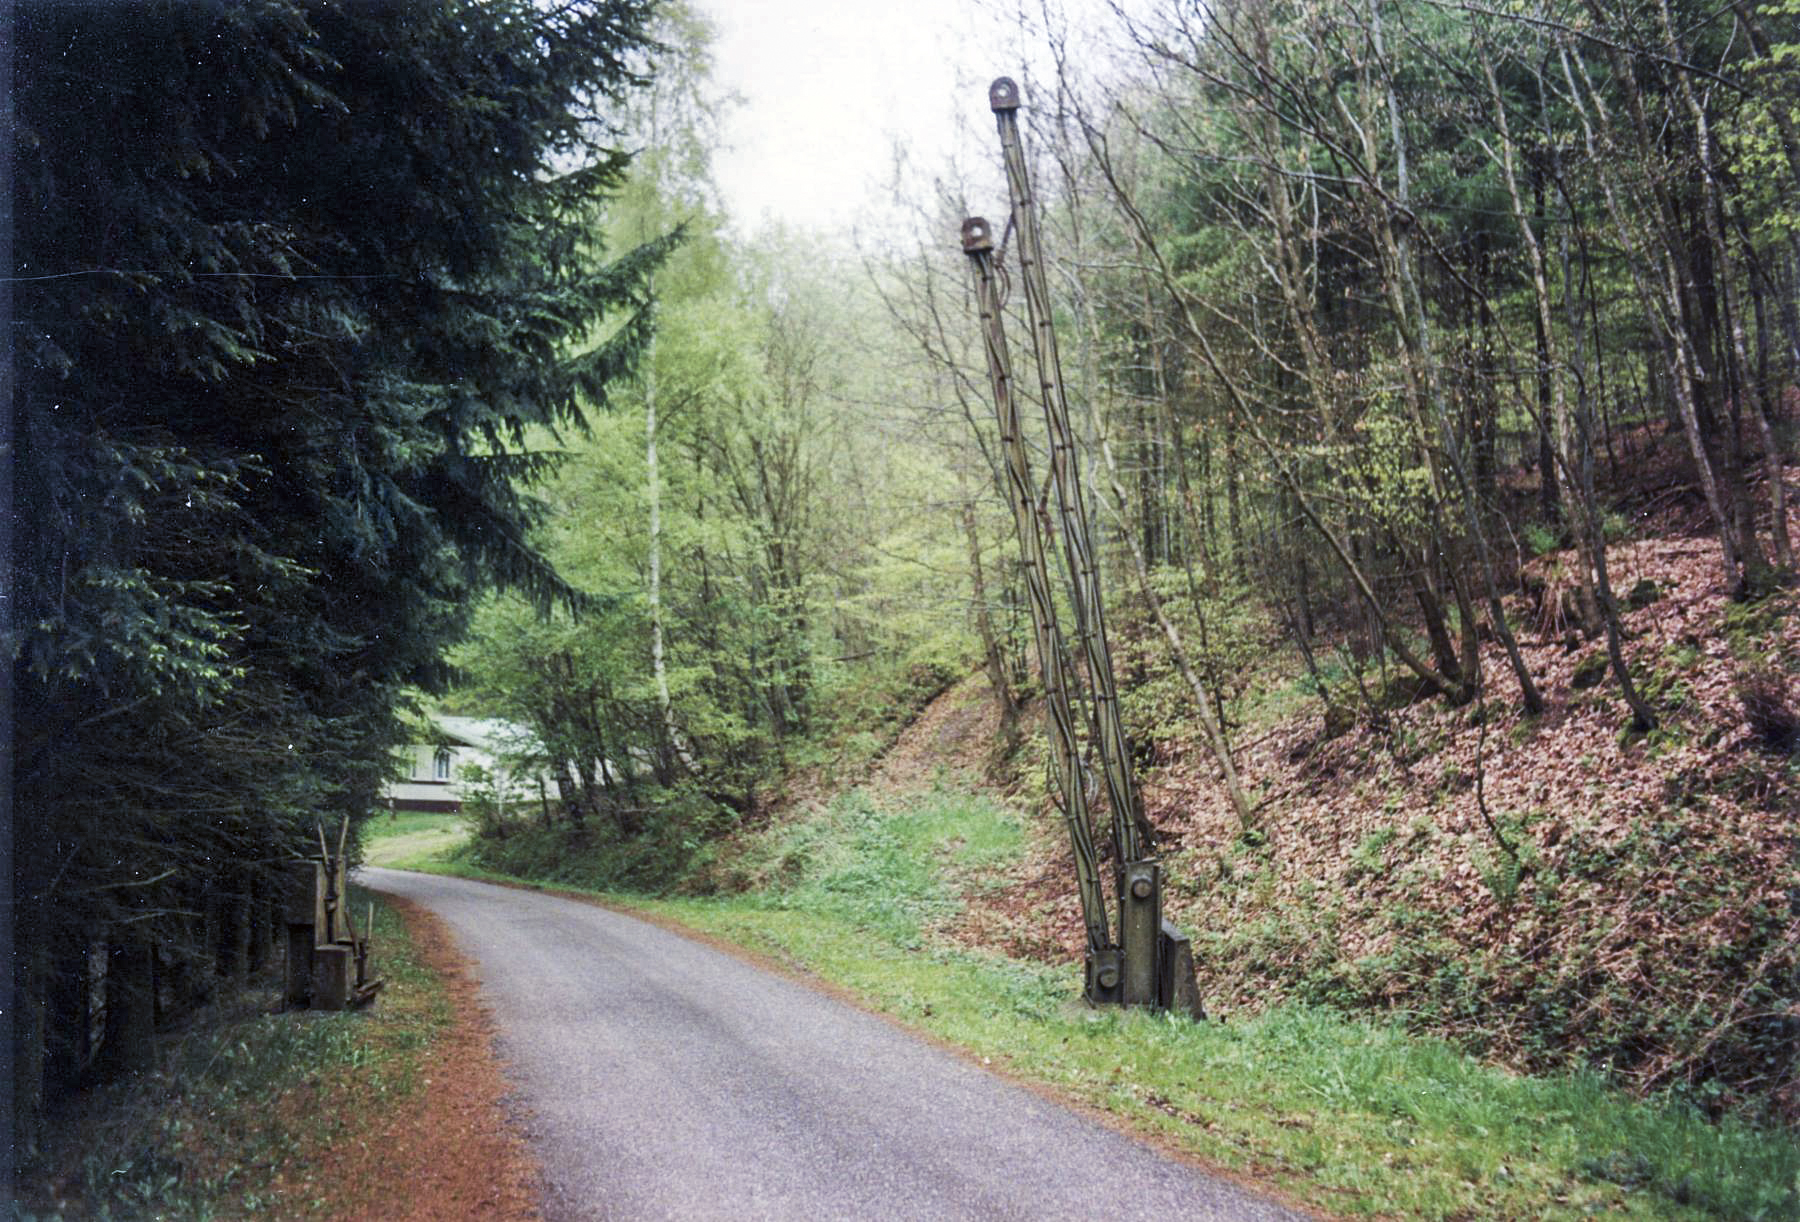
(1356, 1117)
(201, 1135)
(892, 872)
(412, 840)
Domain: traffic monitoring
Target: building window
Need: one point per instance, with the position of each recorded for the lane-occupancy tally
(440, 765)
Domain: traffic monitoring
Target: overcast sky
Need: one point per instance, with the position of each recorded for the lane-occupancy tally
(827, 86)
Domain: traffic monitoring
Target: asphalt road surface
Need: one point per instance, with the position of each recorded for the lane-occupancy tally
(661, 1078)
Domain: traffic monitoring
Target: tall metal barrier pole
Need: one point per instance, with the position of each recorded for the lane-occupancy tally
(1103, 959)
(1130, 826)
(1156, 963)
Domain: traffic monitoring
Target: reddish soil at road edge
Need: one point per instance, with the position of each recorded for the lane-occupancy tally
(450, 1153)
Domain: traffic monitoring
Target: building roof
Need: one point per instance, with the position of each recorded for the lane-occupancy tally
(494, 735)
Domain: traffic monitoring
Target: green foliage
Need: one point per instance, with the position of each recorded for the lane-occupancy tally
(670, 829)
(1591, 671)
(200, 1136)
(298, 289)
(1226, 633)
(1703, 1017)
(1751, 626)
(1504, 865)
(862, 710)
(1367, 858)
(794, 623)
(890, 871)
(1756, 141)
(1542, 539)
(483, 799)
(1353, 1116)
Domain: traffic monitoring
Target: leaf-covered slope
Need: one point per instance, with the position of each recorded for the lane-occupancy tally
(1545, 890)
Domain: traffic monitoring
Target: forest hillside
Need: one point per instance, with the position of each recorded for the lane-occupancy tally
(1430, 377)
(1422, 429)
(1546, 890)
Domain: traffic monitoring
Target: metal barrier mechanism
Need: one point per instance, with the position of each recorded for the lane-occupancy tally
(1150, 963)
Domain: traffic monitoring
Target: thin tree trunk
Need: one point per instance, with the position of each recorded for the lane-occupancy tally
(1659, 288)
(993, 659)
(672, 746)
(1643, 718)
(1577, 475)
(1412, 324)
(1765, 417)
(1215, 732)
(1243, 416)
(1736, 357)
(1549, 496)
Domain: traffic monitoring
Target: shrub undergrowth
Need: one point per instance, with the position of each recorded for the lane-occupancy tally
(235, 1095)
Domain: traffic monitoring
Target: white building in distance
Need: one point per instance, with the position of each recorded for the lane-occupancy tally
(431, 774)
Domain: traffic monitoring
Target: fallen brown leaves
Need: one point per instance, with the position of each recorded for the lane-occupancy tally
(1634, 908)
(447, 1153)
(1634, 887)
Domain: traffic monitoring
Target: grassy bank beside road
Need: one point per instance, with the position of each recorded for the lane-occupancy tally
(235, 1118)
(1348, 1116)
(413, 840)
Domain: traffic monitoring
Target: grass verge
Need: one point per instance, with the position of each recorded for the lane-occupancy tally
(1350, 1116)
(225, 1125)
(413, 840)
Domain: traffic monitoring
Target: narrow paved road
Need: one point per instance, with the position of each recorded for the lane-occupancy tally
(665, 1079)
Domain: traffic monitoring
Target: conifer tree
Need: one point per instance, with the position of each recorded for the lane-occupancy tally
(294, 283)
